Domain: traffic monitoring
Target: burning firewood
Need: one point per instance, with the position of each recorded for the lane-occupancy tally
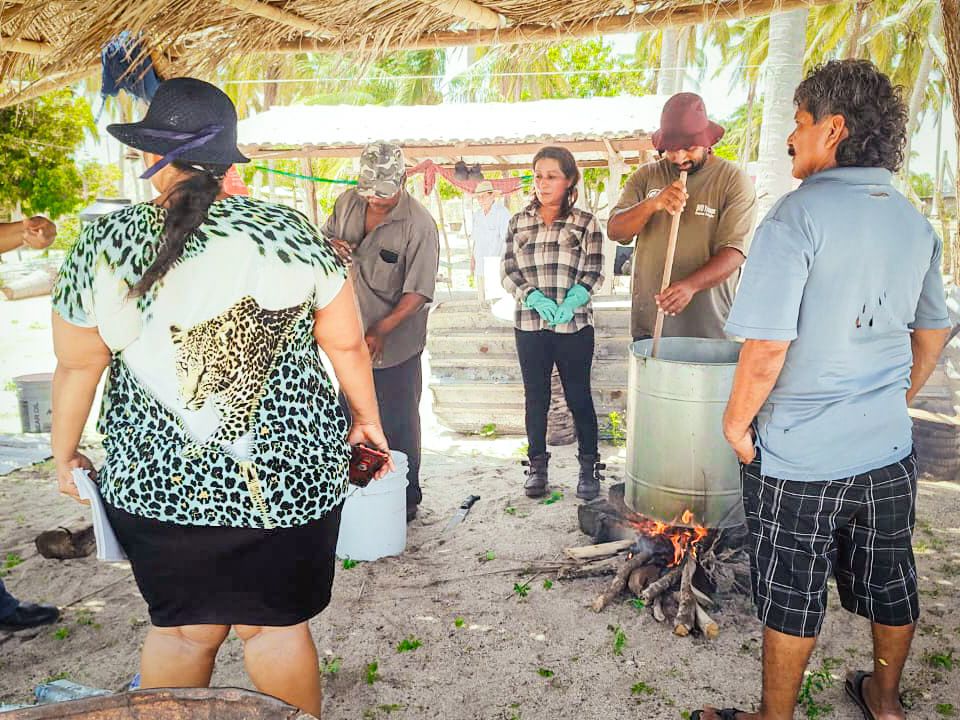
(687, 612)
(707, 626)
(673, 568)
(601, 550)
(655, 590)
(641, 577)
(658, 609)
(595, 568)
(619, 581)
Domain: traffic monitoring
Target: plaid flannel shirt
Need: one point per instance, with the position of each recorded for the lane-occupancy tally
(552, 260)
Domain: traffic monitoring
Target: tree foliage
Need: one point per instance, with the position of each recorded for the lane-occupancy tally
(37, 143)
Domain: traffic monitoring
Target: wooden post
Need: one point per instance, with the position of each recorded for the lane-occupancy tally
(616, 168)
(311, 191)
(271, 182)
(446, 240)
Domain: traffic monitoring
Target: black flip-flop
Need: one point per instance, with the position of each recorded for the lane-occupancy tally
(854, 689)
(725, 714)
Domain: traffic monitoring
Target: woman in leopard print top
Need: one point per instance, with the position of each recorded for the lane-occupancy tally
(226, 449)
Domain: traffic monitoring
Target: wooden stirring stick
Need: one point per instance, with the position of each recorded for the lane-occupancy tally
(667, 269)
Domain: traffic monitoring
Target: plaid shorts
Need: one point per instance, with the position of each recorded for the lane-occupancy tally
(858, 529)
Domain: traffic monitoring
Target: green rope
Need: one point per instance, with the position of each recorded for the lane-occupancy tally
(523, 178)
(305, 177)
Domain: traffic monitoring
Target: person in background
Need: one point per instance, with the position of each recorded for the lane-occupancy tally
(490, 222)
(16, 615)
(392, 244)
(227, 452)
(36, 232)
(843, 311)
(718, 206)
(552, 263)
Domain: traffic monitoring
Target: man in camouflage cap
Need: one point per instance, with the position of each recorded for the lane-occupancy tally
(392, 245)
(382, 171)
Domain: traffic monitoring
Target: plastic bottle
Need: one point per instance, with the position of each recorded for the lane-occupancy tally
(61, 690)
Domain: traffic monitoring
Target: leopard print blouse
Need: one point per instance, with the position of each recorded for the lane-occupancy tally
(217, 408)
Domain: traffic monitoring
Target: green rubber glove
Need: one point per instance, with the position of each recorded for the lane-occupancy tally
(577, 296)
(544, 306)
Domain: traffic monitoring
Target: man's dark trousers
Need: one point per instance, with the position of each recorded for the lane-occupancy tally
(8, 603)
(398, 395)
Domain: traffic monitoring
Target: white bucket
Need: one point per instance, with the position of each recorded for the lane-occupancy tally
(33, 397)
(374, 520)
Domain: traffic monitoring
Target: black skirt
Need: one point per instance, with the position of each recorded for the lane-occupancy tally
(198, 575)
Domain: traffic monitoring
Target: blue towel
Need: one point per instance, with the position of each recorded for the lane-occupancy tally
(118, 57)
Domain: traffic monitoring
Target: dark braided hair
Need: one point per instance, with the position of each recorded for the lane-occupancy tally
(871, 105)
(187, 207)
(568, 165)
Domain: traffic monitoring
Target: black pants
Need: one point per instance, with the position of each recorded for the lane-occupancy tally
(398, 396)
(572, 353)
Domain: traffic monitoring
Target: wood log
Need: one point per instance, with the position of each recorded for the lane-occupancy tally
(619, 580)
(641, 577)
(706, 623)
(39, 282)
(168, 704)
(606, 566)
(660, 586)
(702, 598)
(602, 550)
(687, 611)
(658, 609)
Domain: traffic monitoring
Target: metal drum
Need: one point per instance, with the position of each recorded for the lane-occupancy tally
(677, 458)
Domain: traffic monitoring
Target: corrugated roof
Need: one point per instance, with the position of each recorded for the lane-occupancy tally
(543, 121)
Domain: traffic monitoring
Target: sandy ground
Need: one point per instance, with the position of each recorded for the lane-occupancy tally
(492, 665)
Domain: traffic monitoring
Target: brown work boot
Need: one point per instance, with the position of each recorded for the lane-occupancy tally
(588, 487)
(536, 484)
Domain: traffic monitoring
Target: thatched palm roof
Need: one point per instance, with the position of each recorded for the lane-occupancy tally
(52, 42)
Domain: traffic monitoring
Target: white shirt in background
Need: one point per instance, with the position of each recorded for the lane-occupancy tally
(489, 234)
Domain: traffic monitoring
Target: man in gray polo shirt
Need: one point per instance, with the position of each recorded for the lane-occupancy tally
(843, 311)
(392, 244)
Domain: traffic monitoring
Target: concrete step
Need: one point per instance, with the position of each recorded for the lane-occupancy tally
(469, 419)
(466, 344)
(510, 394)
(610, 313)
(499, 369)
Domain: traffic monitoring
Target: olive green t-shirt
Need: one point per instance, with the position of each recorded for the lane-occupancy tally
(721, 209)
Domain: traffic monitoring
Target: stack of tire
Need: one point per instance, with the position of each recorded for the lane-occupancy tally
(938, 444)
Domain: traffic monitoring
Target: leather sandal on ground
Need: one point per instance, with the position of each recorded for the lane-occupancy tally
(854, 689)
(725, 714)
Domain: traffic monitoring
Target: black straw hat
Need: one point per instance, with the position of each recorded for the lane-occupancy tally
(188, 120)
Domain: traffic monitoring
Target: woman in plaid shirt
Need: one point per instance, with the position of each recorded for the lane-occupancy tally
(552, 262)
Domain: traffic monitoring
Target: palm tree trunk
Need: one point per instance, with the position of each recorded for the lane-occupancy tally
(746, 148)
(788, 39)
(855, 29)
(666, 79)
(683, 43)
(271, 89)
(919, 93)
(951, 36)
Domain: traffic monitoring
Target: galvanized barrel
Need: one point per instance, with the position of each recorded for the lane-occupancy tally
(677, 458)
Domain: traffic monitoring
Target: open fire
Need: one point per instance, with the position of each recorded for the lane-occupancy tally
(673, 568)
(683, 538)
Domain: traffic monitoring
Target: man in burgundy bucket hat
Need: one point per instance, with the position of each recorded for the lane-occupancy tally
(717, 207)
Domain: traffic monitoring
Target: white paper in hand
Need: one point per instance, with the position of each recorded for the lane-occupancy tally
(108, 548)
